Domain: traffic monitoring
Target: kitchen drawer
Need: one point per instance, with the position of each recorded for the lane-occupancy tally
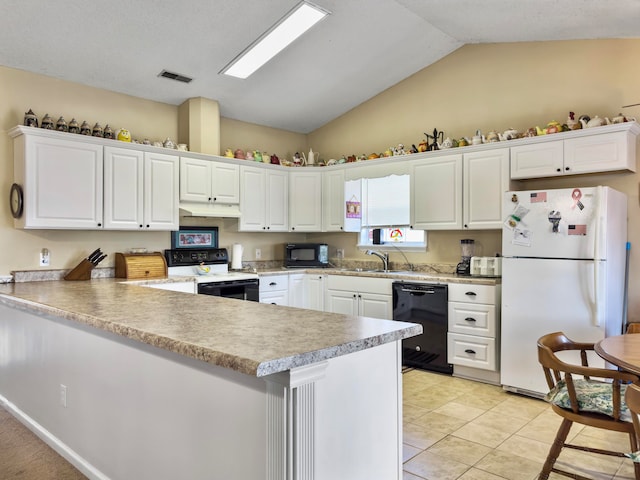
(465, 292)
(472, 319)
(272, 283)
(471, 351)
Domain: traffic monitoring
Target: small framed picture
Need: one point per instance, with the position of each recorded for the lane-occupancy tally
(353, 208)
(195, 237)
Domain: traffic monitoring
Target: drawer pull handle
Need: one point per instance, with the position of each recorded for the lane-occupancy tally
(272, 284)
(469, 351)
(472, 294)
(470, 319)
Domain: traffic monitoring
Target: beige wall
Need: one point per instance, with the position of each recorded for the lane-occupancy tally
(249, 136)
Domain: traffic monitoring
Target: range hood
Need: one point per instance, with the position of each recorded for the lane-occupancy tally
(218, 210)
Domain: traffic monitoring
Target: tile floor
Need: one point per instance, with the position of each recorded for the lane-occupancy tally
(460, 429)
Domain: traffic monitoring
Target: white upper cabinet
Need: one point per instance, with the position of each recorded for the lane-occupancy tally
(333, 201)
(436, 193)
(123, 189)
(161, 187)
(485, 178)
(140, 190)
(537, 160)
(207, 181)
(305, 200)
(62, 180)
(263, 199)
(592, 150)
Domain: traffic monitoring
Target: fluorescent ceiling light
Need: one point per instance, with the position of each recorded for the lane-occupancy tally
(300, 19)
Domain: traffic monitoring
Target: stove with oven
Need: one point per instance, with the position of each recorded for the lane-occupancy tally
(218, 281)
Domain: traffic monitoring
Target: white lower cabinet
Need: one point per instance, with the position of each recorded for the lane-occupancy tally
(473, 339)
(306, 290)
(274, 289)
(363, 296)
(314, 287)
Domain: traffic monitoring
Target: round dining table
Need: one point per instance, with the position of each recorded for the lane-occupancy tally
(622, 351)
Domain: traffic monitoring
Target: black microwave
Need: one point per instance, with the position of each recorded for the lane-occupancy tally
(306, 255)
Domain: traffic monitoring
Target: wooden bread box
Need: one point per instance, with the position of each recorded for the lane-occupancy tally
(141, 265)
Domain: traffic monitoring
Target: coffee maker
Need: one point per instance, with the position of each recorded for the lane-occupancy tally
(467, 245)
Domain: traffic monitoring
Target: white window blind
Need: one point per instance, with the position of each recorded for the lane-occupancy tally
(386, 201)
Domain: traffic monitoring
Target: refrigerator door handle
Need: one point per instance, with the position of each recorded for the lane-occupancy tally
(596, 306)
(597, 256)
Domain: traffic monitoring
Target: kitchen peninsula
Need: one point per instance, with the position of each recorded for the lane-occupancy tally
(131, 382)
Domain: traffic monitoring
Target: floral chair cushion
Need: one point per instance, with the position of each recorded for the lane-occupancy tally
(593, 396)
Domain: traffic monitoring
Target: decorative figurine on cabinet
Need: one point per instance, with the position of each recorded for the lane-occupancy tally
(47, 122)
(30, 119)
(97, 131)
(435, 137)
(108, 133)
(85, 129)
(61, 125)
(73, 126)
(124, 135)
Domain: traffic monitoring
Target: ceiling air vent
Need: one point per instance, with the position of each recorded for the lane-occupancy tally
(175, 76)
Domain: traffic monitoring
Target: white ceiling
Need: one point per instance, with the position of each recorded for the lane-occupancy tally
(361, 49)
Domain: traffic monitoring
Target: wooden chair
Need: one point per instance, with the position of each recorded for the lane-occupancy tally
(633, 327)
(632, 398)
(572, 387)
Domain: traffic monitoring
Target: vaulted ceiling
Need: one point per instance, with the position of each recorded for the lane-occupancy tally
(361, 49)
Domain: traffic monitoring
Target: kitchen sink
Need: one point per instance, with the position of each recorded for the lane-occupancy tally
(364, 270)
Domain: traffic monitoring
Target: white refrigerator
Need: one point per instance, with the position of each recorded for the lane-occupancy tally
(563, 270)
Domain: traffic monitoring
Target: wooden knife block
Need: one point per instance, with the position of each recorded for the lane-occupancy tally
(81, 272)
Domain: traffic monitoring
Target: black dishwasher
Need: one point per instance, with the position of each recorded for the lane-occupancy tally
(426, 304)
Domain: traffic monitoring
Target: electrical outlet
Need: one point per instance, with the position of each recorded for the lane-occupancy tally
(45, 257)
(258, 254)
(340, 253)
(63, 395)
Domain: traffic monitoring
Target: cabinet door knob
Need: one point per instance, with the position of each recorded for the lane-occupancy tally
(209, 198)
(558, 170)
(215, 198)
(567, 168)
(99, 224)
(470, 352)
(293, 228)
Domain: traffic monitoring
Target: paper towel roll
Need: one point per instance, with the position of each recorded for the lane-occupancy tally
(236, 257)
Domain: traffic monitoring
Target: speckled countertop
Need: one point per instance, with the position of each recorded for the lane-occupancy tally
(248, 337)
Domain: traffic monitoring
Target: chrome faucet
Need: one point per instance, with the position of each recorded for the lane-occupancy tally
(384, 256)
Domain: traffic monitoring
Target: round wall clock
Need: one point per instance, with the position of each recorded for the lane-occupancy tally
(16, 200)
